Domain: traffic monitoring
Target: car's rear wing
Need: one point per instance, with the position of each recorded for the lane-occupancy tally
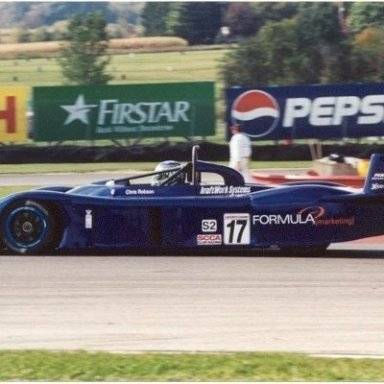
(374, 182)
(373, 190)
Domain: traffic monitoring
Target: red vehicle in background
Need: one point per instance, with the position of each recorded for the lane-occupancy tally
(349, 171)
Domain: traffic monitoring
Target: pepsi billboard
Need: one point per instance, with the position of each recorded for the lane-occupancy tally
(307, 112)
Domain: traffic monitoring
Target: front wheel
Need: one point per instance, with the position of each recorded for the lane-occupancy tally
(29, 228)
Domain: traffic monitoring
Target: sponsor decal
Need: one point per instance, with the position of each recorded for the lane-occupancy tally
(88, 222)
(13, 120)
(348, 221)
(224, 190)
(304, 216)
(237, 228)
(209, 239)
(209, 225)
(308, 215)
(114, 116)
(123, 111)
(260, 113)
(257, 111)
(377, 186)
(378, 176)
(133, 129)
(331, 110)
(140, 191)
(8, 114)
(78, 111)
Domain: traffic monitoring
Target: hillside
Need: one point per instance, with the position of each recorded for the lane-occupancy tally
(52, 48)
(36, 14)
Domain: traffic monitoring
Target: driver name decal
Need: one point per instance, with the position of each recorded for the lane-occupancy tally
(140, 191)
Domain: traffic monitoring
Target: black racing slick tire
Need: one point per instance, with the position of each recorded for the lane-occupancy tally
(30, 228)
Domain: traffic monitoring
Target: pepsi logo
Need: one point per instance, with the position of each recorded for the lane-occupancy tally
(256, 111)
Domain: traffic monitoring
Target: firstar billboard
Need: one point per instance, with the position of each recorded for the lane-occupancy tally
(123, 111)
(303, 112)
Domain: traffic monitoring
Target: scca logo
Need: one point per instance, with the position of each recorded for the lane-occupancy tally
(257, 112)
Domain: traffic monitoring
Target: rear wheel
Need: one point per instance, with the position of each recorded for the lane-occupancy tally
(29, 228)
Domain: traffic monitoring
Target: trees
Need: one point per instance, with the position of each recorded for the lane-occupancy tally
(366, 14)
(241, 19)
(273, 56)
(245, 66)
(285, 58)
(323, 41)
(84, 60)
(367, 55)
(154, 18)
(307, 48)
(246, 18)
(319, 22)
(197, 22)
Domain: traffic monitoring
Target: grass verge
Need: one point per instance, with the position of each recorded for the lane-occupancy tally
(7, 190)
(85, 366)
(128, 68)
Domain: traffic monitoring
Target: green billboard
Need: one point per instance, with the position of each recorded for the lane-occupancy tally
(123, 111)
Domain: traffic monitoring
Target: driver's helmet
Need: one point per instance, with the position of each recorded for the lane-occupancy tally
(336, 157)
(172, 167)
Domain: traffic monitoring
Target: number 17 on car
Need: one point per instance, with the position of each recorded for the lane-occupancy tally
(237, 229)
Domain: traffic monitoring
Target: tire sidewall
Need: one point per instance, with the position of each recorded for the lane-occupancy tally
(45, 238)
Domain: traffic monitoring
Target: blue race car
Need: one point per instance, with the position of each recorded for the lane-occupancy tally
(193, 205)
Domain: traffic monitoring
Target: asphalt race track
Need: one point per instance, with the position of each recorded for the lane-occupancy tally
(259, 301)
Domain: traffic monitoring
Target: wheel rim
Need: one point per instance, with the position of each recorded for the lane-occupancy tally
(25, 227)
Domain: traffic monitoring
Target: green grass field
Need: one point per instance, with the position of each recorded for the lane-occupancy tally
(161, 67)
(83, 366)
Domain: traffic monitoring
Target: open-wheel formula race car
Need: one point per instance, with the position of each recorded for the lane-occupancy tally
(193, 205)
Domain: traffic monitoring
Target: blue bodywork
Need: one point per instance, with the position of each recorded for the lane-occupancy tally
(131, 214)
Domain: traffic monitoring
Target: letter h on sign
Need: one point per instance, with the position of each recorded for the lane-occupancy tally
(9, 114)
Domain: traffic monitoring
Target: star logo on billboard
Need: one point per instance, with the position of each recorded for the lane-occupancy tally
(78, 111)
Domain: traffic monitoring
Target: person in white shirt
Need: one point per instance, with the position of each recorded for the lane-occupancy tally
(240, 151)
